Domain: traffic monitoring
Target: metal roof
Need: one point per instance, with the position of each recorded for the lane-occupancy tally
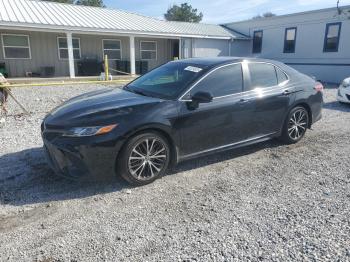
(345, 8)
(56, 16)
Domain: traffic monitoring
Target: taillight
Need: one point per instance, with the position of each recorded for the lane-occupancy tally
(319, 87)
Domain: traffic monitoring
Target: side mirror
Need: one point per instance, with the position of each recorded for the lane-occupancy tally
(202, 97)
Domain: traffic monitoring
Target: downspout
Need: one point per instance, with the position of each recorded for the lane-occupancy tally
(230, 46)
(192, 48)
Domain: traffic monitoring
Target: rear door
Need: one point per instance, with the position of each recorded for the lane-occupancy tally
(271, 94)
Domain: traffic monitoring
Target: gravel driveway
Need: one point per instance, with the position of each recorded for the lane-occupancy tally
(265, 202)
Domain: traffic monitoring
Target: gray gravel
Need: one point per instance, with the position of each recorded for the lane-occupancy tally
(265, 202)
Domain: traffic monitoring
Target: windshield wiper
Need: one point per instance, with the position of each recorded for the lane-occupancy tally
(139, 92)
(134, 91)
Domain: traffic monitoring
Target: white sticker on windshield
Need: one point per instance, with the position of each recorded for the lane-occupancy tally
(193, 69)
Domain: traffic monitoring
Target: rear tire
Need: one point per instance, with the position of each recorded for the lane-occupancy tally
(295, 125)
(144, 158)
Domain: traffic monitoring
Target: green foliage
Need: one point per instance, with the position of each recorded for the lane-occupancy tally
(98, 3)
(60, 1)
(265, 15)
(184, 13)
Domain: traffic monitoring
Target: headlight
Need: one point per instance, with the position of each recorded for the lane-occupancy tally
(90, 131)
(339, 94)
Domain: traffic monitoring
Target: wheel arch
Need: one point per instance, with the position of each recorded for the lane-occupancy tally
(308, 109)
(158, 128)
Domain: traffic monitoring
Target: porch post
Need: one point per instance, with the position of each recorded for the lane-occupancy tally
(70, 55)
(132, 56)
(180, 48)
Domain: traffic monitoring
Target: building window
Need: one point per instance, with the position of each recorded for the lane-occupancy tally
(16, 46)
(331, 41)
(257, 41)
(290, 39)
(148, 50)
(63, 48)
(112, 48)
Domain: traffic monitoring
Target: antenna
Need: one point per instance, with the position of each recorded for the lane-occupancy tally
(346, 13)
(339, 10)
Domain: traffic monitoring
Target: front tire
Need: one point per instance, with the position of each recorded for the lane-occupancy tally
(295, 125)
(144, 158)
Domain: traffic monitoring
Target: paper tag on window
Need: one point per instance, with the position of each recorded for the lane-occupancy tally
(193, 69)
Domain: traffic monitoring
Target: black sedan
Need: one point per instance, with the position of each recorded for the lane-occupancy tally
(180, 110)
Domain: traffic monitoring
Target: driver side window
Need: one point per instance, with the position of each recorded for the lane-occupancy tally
(224, 81)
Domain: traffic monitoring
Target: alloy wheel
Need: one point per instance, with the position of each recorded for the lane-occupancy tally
(147, 159)
(297, 124)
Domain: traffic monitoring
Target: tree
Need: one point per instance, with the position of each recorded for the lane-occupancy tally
(60, 1)
(265, 15)
(184, 13)
(98, 3)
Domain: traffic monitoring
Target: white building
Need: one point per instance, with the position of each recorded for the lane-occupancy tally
(316, 42)
(51, 39)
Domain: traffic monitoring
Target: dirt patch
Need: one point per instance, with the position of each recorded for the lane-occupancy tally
(263, 202)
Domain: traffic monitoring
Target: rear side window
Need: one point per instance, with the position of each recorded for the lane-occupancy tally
(224, 81)
(262, 75)
(281, 76)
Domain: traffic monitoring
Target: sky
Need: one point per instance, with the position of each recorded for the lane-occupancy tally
(223, 11)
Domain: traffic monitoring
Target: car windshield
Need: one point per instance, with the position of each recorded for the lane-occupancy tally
(167, 81)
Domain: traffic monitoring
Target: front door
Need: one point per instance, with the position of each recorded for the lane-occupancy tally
(220, 122)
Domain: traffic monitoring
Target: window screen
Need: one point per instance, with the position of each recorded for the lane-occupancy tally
(331, 41)
(262, 75)
(63, 48)
(148, 50)
(112, 48)
(257, 41)
(16, 46)
(289, 40)
(224, 81)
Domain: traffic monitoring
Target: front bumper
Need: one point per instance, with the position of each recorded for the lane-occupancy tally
(343, 94)
(82, 158)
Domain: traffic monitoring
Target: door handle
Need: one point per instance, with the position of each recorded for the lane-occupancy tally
(243, 101)
(286, 92)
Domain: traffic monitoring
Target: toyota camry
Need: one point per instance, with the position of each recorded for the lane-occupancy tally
(180, 110)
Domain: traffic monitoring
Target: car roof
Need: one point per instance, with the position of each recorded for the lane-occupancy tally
(216, 61)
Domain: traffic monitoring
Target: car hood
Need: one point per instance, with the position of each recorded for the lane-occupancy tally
(97, 107)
